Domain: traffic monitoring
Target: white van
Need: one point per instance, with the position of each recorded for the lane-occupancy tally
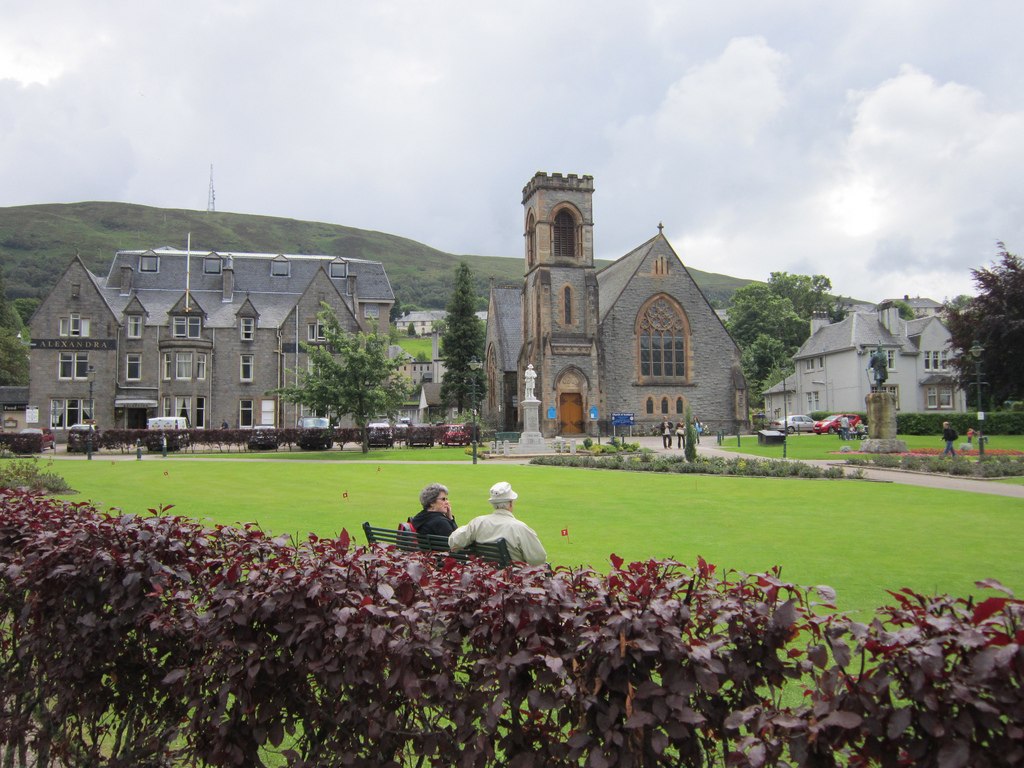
(167, 422)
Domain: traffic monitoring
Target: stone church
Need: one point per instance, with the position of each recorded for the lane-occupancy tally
(637, 337)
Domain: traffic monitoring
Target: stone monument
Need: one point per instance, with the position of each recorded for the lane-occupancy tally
(531, 440)
(881, 410)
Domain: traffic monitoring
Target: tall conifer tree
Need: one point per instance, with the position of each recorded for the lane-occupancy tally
(461, 344)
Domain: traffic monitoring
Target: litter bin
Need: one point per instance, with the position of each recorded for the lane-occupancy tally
(770, 437)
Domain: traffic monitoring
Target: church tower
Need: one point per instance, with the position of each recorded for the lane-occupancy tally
(560, 302)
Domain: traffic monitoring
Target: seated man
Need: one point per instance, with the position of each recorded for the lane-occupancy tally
(523, 544)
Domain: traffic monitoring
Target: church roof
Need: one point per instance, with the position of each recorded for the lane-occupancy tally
(613, 279)
(508, 325)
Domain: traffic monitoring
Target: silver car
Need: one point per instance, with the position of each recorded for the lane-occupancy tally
(795, 423)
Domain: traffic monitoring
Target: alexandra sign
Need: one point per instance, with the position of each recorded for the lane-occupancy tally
(76, 344)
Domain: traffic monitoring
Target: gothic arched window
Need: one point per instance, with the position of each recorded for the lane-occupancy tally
(650, 405)
(567, 305)
(662, 337)
(564, 240)
(664, 405)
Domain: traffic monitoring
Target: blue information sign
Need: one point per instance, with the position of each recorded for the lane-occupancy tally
(622, 419)
(593, 413)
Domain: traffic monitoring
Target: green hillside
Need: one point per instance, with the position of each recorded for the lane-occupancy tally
(38, 241)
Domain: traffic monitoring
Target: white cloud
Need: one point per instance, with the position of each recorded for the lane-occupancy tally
(872, 142)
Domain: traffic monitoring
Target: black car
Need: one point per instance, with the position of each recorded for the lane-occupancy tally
(315, 434)
(263, 439)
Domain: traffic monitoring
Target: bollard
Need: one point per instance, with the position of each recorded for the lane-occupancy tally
(163, 445)
(737, 438)
(720, 436)
(138, 449)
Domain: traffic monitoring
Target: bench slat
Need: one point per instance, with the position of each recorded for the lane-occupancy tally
(493, 551)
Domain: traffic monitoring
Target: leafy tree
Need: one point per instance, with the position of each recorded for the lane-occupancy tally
(761, 361)
(756, 309)
(13, 355)
(807, 293)
(397, 310)
(690, 449)
(906, 311)
(995, 320)
(26, 307)
(462, 343)
(349, 374)
(13, 360)
(411, 330)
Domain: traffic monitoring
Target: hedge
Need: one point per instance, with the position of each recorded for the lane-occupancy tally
(149, 640)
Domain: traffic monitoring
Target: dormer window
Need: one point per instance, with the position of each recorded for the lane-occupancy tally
(187, 327)
(338, 269)
(280, 267)
(149, 262)
(211, 265)
(134, 326)
(247, 328)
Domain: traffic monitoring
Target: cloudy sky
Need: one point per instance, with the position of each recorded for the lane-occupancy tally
(878, 142)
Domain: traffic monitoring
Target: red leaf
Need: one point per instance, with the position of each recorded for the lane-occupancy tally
(987, 608)
(616, 562)
(344, 539)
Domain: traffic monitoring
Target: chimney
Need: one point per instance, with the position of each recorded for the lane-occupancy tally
(126, 279)
(818, 320)
(889, 317)
(227, 273)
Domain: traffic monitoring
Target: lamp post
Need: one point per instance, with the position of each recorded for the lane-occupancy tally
(90, 375)
(474, 366)
(976, 350)
(785, 414)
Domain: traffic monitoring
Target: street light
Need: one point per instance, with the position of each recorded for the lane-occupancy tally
(976, 350)
(90, 375)
(474, 366)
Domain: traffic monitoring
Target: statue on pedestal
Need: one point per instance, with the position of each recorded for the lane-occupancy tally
(530, 381)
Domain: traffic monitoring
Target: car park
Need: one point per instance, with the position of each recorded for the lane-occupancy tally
(379, 434)
(831, 424)
(795, 423)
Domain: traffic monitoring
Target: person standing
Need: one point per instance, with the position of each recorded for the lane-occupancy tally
(949, 435)
(523, 543)
(666, 434)
(436, 517)
(680, 434)
(844, 427)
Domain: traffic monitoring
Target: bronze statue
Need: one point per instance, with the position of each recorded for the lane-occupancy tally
(878, 365)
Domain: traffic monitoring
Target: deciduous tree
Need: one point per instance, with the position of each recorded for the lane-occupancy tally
(995, 320)
(350, 373)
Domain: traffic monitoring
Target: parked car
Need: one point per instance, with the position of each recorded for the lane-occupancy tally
(80, 436)
(831, 424)
(46, 440)
(315, 433)
(795, 423)
(263, 439)
(456, 434)
(380, 434)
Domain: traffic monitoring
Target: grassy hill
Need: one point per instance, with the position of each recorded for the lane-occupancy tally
(38, 241)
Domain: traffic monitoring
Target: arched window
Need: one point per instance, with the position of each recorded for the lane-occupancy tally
(567, 305)
(679, 405)
(650, 405)
(663, 336)
(564, 240)
(531, 237)
(664, 405)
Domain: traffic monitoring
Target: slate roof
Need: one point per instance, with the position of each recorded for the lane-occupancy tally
(613, 279)
(272, 297)
(856, 330)
(508, 321)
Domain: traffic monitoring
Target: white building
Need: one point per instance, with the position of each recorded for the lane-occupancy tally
(832, 365)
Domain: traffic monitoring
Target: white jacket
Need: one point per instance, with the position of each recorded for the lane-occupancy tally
(523, 543)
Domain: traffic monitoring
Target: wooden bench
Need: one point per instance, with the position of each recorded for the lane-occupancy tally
(493, 551)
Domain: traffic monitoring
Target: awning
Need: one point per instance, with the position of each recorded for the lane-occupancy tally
(132, 403)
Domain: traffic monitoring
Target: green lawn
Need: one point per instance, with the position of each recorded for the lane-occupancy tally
(810, 446)
(415, 345)
(857, 536)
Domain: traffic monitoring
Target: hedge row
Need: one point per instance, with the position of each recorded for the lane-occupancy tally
(149, 640)
(996, 423)
(703, 465)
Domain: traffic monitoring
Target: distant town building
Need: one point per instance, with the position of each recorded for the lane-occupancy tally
(921, 307)
(422, 322)
(205, 336)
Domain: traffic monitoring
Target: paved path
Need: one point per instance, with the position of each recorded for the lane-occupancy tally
(709, 447)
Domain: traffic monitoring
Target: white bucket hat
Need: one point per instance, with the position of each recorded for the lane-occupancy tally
(502, 492)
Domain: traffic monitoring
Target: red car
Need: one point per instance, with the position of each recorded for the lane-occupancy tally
(456, 434)
(831, 424)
